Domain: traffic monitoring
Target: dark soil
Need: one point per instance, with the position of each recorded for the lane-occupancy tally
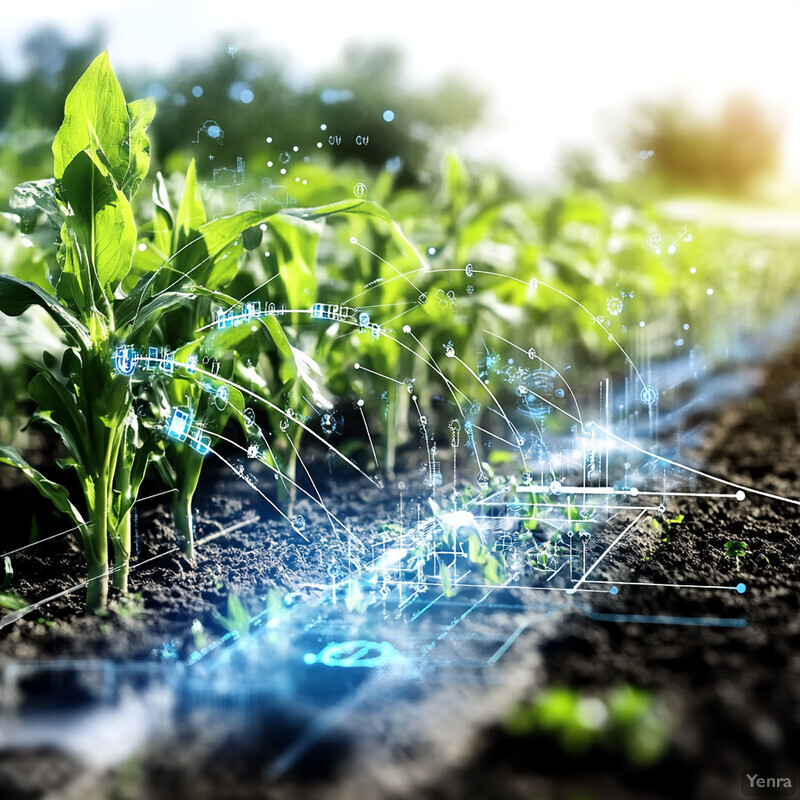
(731, 695)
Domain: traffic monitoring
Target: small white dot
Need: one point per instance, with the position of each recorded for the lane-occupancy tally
(263, 226)
(353, 240)
(295, 148)
(269, 140)
(269, 163)
(283, 172)
(709, 291)
(406, 329)
(356, 365)
(323, 127)
(319, 144)
(740, 495)
(360, 403)
(266, 253)
(297, 180)
(692, 270)
(254, 328)
(142, 247)
(414, 398)
(641, 323)
(305, 182)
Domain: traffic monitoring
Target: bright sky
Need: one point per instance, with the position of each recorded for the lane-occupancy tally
(557, 71)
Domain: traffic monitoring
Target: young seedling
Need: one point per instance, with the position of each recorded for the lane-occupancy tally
(736, 550)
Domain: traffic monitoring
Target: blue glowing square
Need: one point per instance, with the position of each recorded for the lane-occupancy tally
(179, 424)
(200, 443)
(168, 362)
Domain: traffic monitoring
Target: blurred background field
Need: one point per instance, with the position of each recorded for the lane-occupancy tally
(635, 158)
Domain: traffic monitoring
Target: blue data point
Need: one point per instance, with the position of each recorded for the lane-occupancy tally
(179, 424)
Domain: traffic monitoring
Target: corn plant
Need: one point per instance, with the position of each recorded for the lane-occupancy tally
(101, 156)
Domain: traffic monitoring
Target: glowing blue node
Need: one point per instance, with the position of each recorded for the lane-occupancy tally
(388, 115)
(741, 588)
(214, 131)
(125, 359)
(179, 424)
(246, 96)
(310, 658)
(197, 91)
(649, 396)
(613, 590)
(357, 653)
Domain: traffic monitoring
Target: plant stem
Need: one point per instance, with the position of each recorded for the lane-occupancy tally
(122, 552)
(184, 523)
(97, 549)
(97, 589)
(182, 515)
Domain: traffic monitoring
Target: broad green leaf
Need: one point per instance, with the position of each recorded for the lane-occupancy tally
(296, 250)
(101, 219)
(33, 198)
(54, 492)
(17, 295)
(361, 207)
(140, 115)
(151, 311)
(95, 114)
(59, 408)
(211, 259)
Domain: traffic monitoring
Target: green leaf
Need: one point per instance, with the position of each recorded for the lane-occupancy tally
(447, 580)
(150, 312)
(296, 250)
(366, 207)
(33, 198)
(13, 601)
(478, 554)
(140, 115)
(211, 259)
(455, 182)
(191, 212)
(162, 216)
(54, 492)
(95, 116)
(102, 219)
(16, 296)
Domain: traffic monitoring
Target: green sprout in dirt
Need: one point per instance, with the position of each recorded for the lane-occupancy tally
(625, 721)
(736, 550)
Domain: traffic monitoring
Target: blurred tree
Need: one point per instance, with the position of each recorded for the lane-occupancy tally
(729, 153)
